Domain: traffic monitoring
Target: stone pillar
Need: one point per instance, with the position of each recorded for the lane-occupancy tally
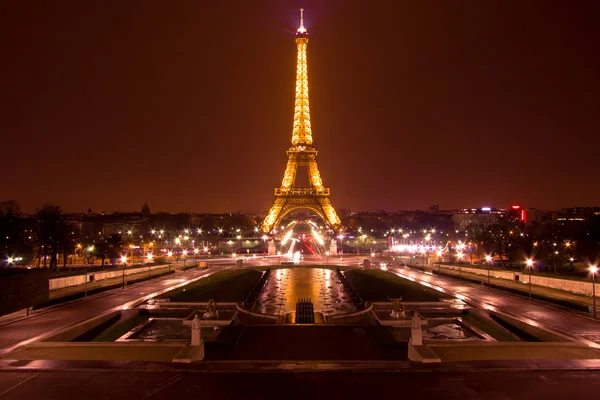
(197, 332)
(272, 250)
(333, 247)
(416, 332)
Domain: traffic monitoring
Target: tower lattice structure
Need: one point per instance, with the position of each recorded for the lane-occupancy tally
(301, 154)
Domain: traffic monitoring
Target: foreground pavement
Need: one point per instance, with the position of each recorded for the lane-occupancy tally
(182, 384)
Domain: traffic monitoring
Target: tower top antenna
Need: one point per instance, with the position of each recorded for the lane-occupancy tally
(302, 29)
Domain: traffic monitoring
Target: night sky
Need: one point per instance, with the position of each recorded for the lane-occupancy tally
(189, 104)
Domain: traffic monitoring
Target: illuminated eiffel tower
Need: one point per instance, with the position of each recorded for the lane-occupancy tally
(302, 154)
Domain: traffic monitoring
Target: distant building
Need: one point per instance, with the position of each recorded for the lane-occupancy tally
(534, 216)
(481, 217)
(516, 214)
(576, 215)
(145, 210)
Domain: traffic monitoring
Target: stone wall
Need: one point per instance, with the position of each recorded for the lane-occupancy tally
(22, 288)
(569, 285)
(58, 283)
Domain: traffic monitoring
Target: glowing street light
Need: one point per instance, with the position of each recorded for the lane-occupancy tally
(593, 270)
(124, 261)
(529, 263)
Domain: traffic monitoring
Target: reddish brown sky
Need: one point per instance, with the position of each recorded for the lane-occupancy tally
(188, 104)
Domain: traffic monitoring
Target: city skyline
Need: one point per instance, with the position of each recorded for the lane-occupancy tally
(412, 104)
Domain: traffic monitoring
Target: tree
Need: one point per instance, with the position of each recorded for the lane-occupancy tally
(53, 233)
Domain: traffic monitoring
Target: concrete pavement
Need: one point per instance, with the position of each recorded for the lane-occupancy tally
(490, 385)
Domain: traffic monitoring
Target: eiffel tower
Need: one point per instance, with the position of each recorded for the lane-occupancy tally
(301, 154)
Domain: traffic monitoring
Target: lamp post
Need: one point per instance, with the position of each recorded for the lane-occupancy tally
(170, 254)
(488, 258)
(593, 270)
(529, 266)
(149, 256)
(327, 257)
(184, 254)
(460, 255)
(124, 260)
(90, 249)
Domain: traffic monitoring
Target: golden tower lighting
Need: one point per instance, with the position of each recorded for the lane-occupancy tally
(301, 154)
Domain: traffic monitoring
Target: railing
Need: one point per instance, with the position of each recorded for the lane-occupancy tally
(302, 192)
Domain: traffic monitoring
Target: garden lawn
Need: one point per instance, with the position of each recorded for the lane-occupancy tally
(378, 285)
(226, 286)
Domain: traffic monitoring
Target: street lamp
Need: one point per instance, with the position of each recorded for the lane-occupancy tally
(460, 255)
(184, 254)
(593, 270)
(529, 266)
(90, 249)
(488, 258)
(124, 260)
(149, 257)
(169, 254)
(327, 257)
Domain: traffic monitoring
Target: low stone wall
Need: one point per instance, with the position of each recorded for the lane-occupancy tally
(58, 283)
(69, 334)
(569, 285)
(22, 288)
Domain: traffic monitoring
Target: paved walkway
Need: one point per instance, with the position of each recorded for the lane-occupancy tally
(562, 322)
(44, 321)
(522, 286)
(490, 385)
(70, 290)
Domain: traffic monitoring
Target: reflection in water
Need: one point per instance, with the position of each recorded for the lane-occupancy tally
(162, 330)
(448, 330)
(288, 285)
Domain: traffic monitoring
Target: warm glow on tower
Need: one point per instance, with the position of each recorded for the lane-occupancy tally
(301, 133)
(301, 154)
